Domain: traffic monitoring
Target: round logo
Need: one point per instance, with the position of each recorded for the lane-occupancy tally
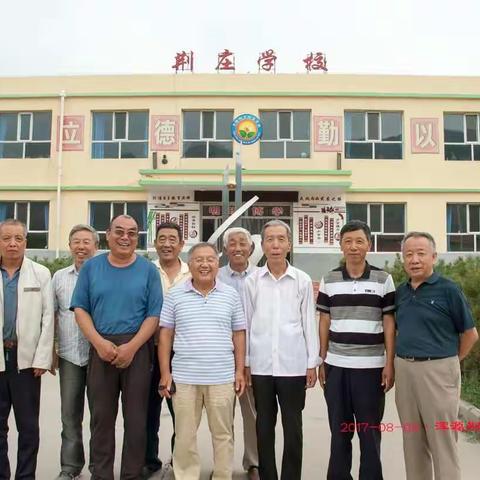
(247, 129)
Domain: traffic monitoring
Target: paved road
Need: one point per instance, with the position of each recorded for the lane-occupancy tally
(316, 441)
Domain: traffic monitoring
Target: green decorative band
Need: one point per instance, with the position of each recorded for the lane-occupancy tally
(414, 190)
(244, 172)
(219, 183)
(70, 188)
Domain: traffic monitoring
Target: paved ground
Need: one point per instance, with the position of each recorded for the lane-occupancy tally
(316, 441)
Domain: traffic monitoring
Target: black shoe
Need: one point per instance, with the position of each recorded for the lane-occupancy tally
(67, 476)
(149, 470)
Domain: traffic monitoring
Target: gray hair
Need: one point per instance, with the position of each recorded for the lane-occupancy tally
(277, 223)
(201, 245)
(84, 228)
(14, 221)
(234, 231)
(414, 234)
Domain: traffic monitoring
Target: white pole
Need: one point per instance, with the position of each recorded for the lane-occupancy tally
(59, 173)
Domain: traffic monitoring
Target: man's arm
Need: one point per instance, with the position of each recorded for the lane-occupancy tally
(324, 335)
(310, 331)
(388, 374)
(467, 340)
(165, 343)
(247, 301)
(239, 352)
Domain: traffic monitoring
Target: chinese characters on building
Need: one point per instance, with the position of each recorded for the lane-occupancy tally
(327, 134)
(165, 132)
(424, 135)
(72, 133)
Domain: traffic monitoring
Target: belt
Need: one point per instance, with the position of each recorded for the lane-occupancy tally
(8, 344)
(420, 359)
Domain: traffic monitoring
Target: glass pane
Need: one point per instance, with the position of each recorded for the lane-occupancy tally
(103, 245)
(7, 210)
(223, 125)
(358, 150)
(195, 149)
(37, 240)
(298, 149)
(42, 126)
(471, 128)
(301, 125)
(38, 216)
(354, 126)
(105, 150)
(138, 210)
(284, 120)
(137, 125)
(220, 149)
(373, 124)
(142, 242)
(389, 243)
(208, 227)
(272, 149)
(391, 151)
(100, 215)
(453, 128)
(120, 125)
(456, 218)
(458, 152)
(25, 126)
(476, 152)
(134, 149)
(22, 209)
(391, 126)
(376, 218)
(269, 121)
(460, 243)
(357, 211)
(37, 150)
(11, 150)
(191, 125)
(474, 213)
(8, 126)
(102, 126)
(394, 218)
(207, 124)
(118, 209)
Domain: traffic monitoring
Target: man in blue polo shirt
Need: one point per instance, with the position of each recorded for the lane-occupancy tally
(203, 319)
(435, 332)
(117, 303)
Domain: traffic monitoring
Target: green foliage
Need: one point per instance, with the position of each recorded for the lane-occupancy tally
(55, 264)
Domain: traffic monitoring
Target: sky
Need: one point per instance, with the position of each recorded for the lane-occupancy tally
(66, 37)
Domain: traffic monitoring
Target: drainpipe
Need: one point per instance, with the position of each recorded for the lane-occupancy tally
(59, 173)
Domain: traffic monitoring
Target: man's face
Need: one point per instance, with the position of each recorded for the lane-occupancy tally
(12, 242)
(419, 258)
(276, 243)
(203, 265)
(238, 249)
(355, 246)
(82, 246)
(168, 245)
(122, 237)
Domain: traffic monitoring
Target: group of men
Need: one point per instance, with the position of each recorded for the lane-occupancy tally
(200, 336)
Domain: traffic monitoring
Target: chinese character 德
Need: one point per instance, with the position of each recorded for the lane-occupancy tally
(165, 132)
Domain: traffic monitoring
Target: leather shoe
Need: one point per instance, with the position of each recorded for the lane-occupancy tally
(253, 473)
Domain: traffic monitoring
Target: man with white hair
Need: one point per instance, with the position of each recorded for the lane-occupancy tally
(238, 246)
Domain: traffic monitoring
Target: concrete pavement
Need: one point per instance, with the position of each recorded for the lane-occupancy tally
(316, 441)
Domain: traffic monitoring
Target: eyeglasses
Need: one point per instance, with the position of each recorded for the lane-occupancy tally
(118, 232)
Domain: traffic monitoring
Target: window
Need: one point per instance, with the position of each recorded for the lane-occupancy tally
(286, 134)
(386, 221)
(102, 212)
(463, 227)
(206, 134)
(25, 134)
(462, 136)
(120, 135)
(375, 135)
(34, 215)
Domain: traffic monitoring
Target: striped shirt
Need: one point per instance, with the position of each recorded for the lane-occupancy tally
(71, 344)
(203, 326)
(356, 308)
(235, 279)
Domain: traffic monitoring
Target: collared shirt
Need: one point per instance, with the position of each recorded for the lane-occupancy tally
(182, 275)
(203, 326)
(431, 318)
(235, 279)
(282, 329)
(71, 343)
(10, 300)
(356, 307)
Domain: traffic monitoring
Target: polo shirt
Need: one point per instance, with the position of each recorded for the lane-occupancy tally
(356, 308)
(203, 326)
(235, 279)
(431, 318)
(10, 301)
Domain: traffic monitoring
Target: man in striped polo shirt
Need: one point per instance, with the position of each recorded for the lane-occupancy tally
(357, 335)
(203, 319)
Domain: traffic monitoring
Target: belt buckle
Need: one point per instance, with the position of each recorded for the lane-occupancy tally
(9, 344)
(409, 359)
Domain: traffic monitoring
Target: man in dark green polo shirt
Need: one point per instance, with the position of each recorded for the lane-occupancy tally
(435, 331)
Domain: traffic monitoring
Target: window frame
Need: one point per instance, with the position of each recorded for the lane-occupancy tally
(465, 141)
(474, 233)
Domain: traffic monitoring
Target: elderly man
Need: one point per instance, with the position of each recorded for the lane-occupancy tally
(435, 332)
(117, 302)
(204, 320)
(238, 246)
(282, 351)
(173, 271)
(357, 334)
(26, 320)
(72, 350)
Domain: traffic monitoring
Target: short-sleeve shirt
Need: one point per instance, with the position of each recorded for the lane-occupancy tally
(118, 299)
(203, 326)
(431, 318)
(356, 307)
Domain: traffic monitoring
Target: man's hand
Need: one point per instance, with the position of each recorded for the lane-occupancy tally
(165, 385)
(240, 383)
(125, 354)
(248, 377)
(106, 350)
(311, 377)
(38, 372)
(54, 366)
(388, 377)
(322, 378)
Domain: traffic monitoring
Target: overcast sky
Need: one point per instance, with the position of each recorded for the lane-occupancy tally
(59, 37)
